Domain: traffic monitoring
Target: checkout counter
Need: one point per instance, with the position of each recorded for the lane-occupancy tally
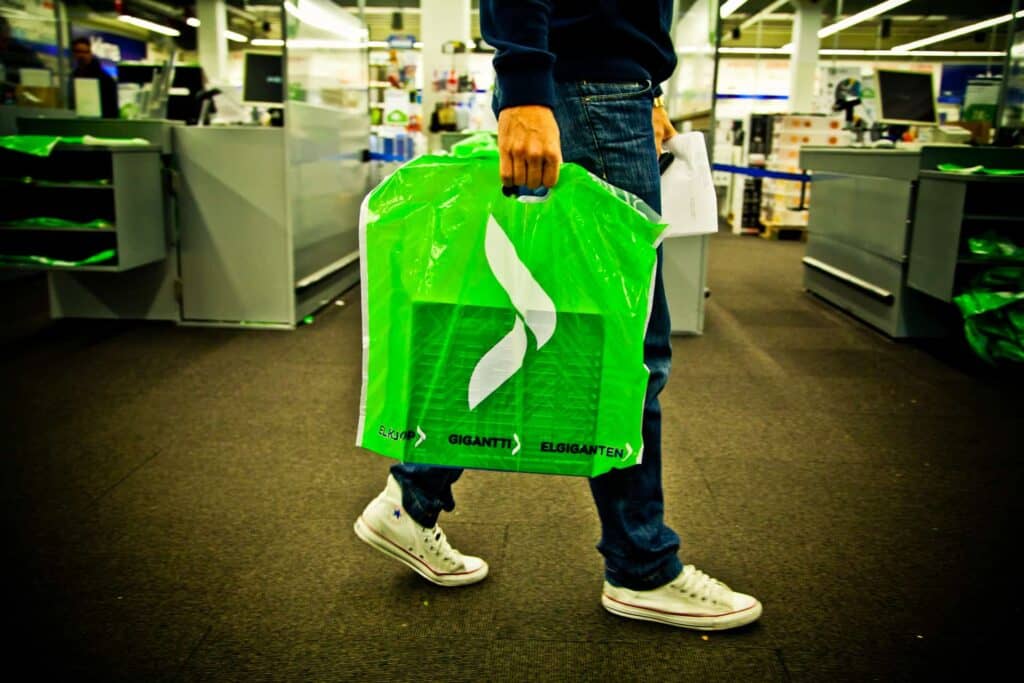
(887, 231)
(243, 225)
(233, 225)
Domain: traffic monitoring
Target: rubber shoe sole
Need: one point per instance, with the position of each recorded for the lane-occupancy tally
(699, 622)
(371, 537)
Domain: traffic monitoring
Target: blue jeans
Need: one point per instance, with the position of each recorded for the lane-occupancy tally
(606, 128)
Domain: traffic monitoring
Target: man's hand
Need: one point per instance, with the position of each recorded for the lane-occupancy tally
(529, 146)
(663, 130)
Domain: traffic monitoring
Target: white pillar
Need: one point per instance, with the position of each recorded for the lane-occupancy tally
(212, 42)
(803, 62)
(440, 21)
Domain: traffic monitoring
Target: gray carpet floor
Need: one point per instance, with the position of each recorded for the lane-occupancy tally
(178, 505)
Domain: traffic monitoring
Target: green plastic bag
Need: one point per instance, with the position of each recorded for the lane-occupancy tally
(37, 260)
(500, 332)
(36, 145)
(58, 223)
(484, 144)
(993, 310)
(967, 170)
(995, 246)
(43, 145)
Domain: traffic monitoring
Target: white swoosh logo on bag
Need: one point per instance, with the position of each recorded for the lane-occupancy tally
(534, 310)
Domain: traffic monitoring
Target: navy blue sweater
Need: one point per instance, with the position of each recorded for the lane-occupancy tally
(539, 42)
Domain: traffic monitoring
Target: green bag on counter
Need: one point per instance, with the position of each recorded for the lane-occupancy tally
(993, 310)
(59, 223)
(38, 260)
(43, 145)
(995, 246)
(501, 332)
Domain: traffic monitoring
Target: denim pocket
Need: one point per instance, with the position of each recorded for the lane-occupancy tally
(627, 90)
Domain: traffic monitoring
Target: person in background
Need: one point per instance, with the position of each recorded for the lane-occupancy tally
(13, 58)
(577, 82)
(87, 66)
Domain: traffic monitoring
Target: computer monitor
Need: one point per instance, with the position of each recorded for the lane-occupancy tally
(182, 101)
(136, 73)
(188, 76)
(264, 80)
(906, 97)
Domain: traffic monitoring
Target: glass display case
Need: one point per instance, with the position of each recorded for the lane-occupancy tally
(327, 132)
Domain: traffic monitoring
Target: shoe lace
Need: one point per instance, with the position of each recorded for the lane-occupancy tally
(698, 585)
(437, 543)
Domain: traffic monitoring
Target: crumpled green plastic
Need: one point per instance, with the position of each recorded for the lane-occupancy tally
(43, 182)
(57, 223)
(36, 145)
(481, 144)
(43, 145)
(499, 332)
(33, 259)
(956, 168)
(995, 246)
(993, 310)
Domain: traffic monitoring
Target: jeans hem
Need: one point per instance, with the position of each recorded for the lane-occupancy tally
(413, 504)
(666, 574)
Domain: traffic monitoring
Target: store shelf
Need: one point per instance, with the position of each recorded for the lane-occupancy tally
(948, 206)
(972, 177)
(980, 261)
(76, 269)
(28, 228)
(974, 217)
(120, 185)
(76, 185)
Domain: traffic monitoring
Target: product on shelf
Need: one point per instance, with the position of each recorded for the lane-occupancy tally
(785, 203)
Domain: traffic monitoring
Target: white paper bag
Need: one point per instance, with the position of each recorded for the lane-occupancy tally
(688, 201)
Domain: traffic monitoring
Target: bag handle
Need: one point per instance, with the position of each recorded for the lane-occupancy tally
(525, 194)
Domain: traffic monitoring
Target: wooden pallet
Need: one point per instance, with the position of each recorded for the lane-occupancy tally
(797, 233)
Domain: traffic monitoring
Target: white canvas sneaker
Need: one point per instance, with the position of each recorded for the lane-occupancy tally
(693, 600)
(386, 526)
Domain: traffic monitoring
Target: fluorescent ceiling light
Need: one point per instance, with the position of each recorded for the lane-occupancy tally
(193, 22)
(267, 42)
(730, 6)
(342, 25)
(925, 53)
(855, 19)
(383, 10)
(973, 28)
(236, 37)
(753, 51)
(862, 53)
(859, 17)
(149, 25)
(763, 14)
(325, 44)
(705, 50)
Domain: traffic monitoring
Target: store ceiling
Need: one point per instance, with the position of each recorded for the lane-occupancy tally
(964, 9)
(917, 19)
(256, 18)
